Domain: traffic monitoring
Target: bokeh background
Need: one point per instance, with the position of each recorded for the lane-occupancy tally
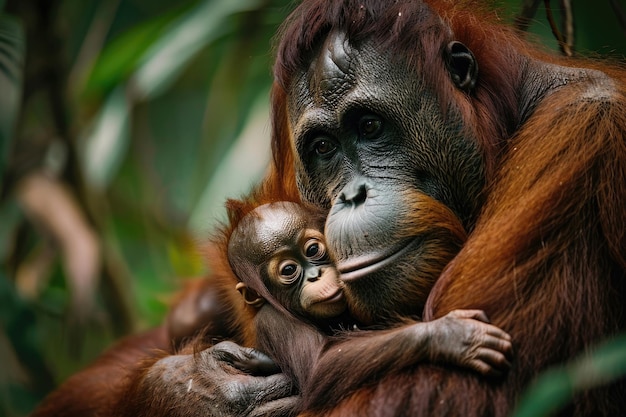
(124, 126)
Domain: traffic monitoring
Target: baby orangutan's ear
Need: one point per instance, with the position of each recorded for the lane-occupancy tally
(249, 295)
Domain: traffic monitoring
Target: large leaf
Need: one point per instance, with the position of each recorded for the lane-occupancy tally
(556, 387)
(11, 67)
(121, 56)
(187, 36)
(240, 167)
(163, 61)
(109, 138)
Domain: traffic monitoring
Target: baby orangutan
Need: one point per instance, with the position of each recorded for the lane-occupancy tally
(278, 253)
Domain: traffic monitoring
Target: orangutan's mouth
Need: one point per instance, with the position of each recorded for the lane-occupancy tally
(358, 267)
(333, 298)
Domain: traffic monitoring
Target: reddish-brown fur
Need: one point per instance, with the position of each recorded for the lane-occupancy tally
(545, 259)
(93, 390)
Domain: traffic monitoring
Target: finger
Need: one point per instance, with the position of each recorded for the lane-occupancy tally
(245, 359)
(257, 363)
(502, 345)
(470, 314)
(493, 358)
(226, 348)
(270, 388)
(497, 332)
(484, 368)
(276, 408)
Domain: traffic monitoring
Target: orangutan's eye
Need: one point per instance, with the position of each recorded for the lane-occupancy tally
(315, 250)
(370, 127)
(324, 147)
(289, 271)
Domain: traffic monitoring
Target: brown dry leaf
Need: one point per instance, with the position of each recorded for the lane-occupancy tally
(51, 206)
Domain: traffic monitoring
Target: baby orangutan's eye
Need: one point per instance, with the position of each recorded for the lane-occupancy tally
(315, 250)
(289, 271)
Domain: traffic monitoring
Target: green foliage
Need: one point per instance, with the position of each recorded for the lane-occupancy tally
(150, 115)
(11, 69)
(107, 142)
(158, 97)
(120, 57)
(556, 387)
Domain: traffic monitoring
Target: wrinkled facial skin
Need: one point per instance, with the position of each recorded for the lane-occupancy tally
(288, 250)
(366, 130)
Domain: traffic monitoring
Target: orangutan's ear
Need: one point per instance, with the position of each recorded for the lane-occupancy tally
(249, 295)
(462, 65)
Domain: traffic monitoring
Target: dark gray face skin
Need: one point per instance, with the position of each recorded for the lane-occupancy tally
(366, 130)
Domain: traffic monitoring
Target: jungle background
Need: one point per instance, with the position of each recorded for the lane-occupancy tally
(124, 126)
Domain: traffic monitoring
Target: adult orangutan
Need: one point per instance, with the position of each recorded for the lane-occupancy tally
(278, 252)
(528, 150)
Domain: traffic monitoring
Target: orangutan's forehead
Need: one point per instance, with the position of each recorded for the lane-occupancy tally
(276, 227)
(331, 71)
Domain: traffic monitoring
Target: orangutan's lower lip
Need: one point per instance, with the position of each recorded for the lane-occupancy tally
(334, 297)
(361, 266)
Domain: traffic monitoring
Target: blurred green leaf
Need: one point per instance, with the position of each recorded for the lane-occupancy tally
(598, 28)
(167, 57)
(11, 216)
(12, 42)
(238, 170)
(119, 58)
(17, 323)
(108, 141)
(556, 387)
